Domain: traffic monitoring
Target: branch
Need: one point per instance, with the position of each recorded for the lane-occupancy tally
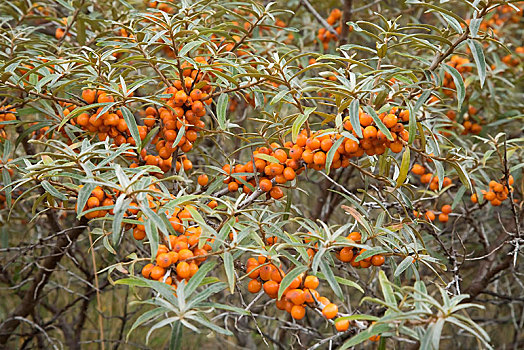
(32, 295)
(319, 18)
(346, 17)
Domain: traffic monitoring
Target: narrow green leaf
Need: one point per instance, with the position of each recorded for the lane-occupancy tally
(404, 167)
(478, 55)
(299, 121)
(230, 270)
(404, 264)
(53, 191)
(222, 103)
(131, 124)
(330, 277)
(387, 290)
(331, 153)
(459, 83)
(353, 117)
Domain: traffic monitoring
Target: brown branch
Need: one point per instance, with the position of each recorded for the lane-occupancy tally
(319, 18)
(346, 17)
(442, 56)
(47, 97)
(31, 296)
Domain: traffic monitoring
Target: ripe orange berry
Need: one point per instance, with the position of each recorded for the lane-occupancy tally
(418, 169)
(93, 202)
(289, 174)
(89, 96)
(146, 270)
(183, 270)
(370, 132)
(355, 237)
(296, 296)
(232, 187)
(443, 217)
(326, 144)
(265, 185)
(330, 311)
(276, 193)
(163, 260)
(377, 260)
(180, 97)
(446, 209)
(346, 254)
(157, 273)
(474, 198)
(254, 286)
(390, 120)
(319, 158)
(203, 180)
(342, 325)
(311, 282)
(298, 312)
(313, 143)
(271, 288)
(430, 216)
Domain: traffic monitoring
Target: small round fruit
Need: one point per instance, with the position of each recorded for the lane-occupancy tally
(330, 311)
(298, 312)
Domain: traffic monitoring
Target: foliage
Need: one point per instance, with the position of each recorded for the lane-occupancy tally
(266, 174)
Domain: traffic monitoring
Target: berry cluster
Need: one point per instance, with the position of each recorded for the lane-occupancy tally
(110, 124)
(503, 15)
(324, 35)
(470, 124)
(497, 193)
(179, 260)
(429, 178)
(299, 294)
(275, 166)
(7, 114)
(429, 215)
(461, 64)
(98, 198)
(185, 108)
(351, 254)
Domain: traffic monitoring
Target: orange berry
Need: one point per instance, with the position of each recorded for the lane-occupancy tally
(443, 217)
(203, 180)
(296, 296)
(146, 270)
(377, 260)
(93, 202)
(430, 216)
(355, 237)
(271, 288)
(163, 260)
(446, 209)
(370, 132)
(157, 273)
(276, 193)
(330, 311)
(254, 286)
(418, 169)
(346, 254)
(342, 325)
(319, 158)
(183, 270)
(298, 312)
(265, 185)
(311, 282)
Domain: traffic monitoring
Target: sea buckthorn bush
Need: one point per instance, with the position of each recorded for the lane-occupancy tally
(249, 174)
